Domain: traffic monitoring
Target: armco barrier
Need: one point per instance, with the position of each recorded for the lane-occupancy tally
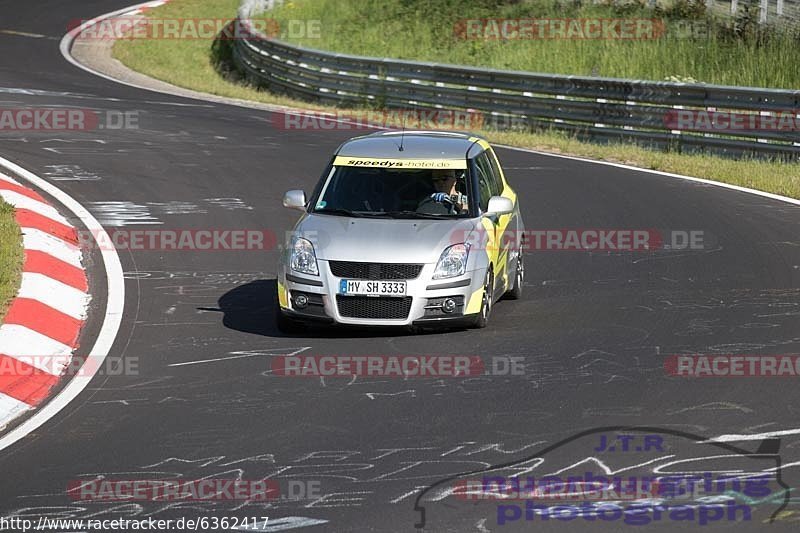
(598, 109)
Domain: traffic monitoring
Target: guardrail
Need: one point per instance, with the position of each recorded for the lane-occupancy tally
(779, 12)
(597, 109)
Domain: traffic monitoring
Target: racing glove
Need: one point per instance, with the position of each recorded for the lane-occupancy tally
(441, 197)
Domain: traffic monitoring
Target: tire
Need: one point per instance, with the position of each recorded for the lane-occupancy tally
(482, 320)
(519, 280)
(288, 325)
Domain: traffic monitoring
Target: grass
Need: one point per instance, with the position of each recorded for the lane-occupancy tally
(191, 64)
(722, 52)
(10, 257)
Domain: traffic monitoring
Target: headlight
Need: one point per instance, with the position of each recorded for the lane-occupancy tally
(302, 258)
(453, 262)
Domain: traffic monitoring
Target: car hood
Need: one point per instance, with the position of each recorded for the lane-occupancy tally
(382, 240)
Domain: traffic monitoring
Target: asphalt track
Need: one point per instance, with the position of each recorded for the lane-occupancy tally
(593, 329)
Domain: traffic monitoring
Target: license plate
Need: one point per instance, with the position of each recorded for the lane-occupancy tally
(372, 288)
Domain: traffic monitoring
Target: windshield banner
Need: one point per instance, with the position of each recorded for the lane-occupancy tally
(347, 161)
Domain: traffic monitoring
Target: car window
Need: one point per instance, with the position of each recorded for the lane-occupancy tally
(485, 181)
(496, 170)
(393, 192)
(495, 186)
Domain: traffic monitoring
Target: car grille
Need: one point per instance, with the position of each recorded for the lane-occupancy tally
(376, 271)
(372, 307)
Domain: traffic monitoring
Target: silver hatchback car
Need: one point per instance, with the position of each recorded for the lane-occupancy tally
(403, 229)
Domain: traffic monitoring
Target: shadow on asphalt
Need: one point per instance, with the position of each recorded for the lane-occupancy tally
(251, 308)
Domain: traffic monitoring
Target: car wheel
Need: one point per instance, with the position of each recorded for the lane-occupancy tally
(482, 320)
(288, 325)
(519, 280)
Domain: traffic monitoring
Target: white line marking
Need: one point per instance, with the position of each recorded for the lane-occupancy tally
(259, 353)
(53, 293)
(70, 141)
(38, 92)
(373, 395)
(23, 34)
(206, 106)
(754, 436)
(35, 239)
(70, 173)
(23, 202)
(111, 321)
(607, 470)
(284, 523)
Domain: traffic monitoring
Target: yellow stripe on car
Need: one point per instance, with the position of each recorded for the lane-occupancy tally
(474, 304)
(490, 249)
(283, 297)
(483, 144)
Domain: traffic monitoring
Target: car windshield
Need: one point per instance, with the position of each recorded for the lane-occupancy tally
(395, 193)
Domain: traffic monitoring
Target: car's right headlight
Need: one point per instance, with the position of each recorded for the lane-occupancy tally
(302, 257)
(453, 262)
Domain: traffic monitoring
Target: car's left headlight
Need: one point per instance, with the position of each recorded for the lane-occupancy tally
(302, 257)
(453, 262)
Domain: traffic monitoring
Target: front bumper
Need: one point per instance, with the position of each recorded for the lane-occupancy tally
(421, 306)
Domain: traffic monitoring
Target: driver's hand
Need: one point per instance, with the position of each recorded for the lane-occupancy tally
(441, 197)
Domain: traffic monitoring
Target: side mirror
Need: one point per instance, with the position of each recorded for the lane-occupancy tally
(499, 205)
(295, 200)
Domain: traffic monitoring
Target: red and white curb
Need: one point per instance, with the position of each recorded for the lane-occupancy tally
(109, 270)
(40, 331)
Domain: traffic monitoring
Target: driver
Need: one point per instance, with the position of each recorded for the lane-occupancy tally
(444, 182)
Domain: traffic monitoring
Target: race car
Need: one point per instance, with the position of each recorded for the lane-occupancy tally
(403, 229)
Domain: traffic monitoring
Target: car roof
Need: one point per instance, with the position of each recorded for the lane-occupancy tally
(416, 145)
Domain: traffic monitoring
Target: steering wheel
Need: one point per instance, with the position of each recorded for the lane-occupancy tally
(431, 206)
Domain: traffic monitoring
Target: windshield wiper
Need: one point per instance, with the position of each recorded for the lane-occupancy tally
(339, 211)
(358, 214)
(380, 214)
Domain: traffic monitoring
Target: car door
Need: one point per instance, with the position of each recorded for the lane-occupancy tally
(492, 185)
(505, 225)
